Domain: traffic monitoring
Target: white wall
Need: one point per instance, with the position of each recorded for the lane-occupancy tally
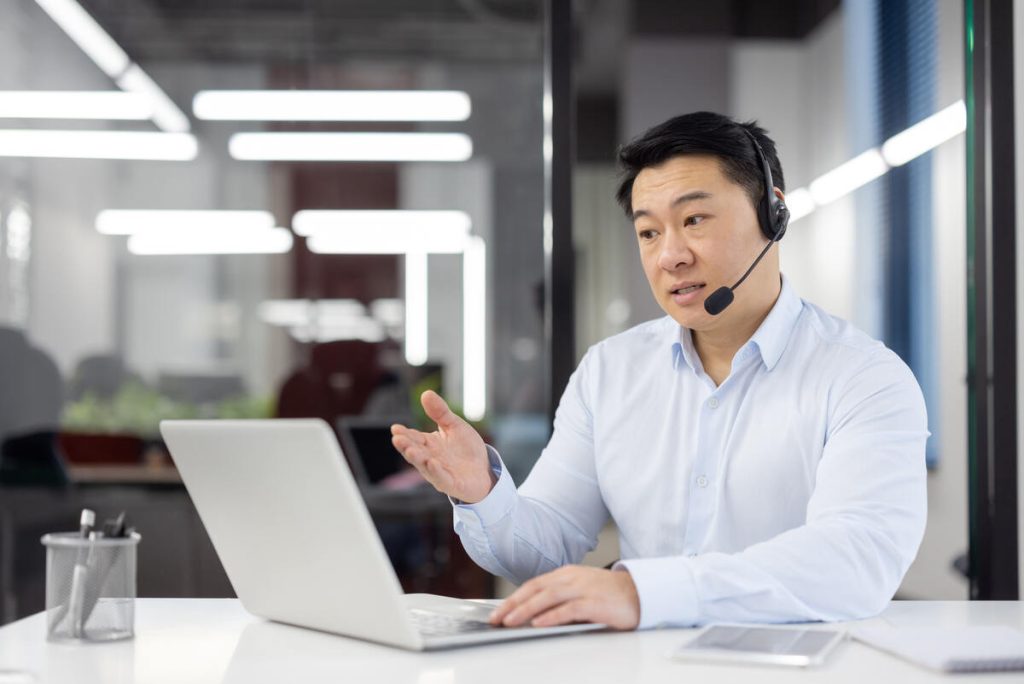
(798, 92)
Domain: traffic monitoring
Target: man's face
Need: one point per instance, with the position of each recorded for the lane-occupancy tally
(697, 231)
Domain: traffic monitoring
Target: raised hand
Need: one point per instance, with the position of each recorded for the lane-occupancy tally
(453, 458)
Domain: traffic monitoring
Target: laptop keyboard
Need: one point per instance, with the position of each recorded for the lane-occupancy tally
(438, 624)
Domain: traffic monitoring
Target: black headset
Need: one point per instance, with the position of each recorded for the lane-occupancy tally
(772, 213)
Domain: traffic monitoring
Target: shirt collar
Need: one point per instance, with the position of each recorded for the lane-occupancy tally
(770, 339)
(773, 335)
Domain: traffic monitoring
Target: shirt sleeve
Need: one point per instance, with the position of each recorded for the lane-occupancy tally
(555, 516)
(864, 523)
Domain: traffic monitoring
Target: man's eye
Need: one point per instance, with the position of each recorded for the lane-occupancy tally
(646, 234)
(693, 220)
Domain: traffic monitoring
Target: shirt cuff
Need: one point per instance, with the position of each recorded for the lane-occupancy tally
(499, 501)
(667, 591)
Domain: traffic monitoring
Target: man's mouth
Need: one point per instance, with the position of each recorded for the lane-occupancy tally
(687, 290)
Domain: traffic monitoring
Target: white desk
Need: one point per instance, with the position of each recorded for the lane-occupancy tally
(195, 641)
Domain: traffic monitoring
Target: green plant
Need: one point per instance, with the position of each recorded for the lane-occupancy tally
(137, 409)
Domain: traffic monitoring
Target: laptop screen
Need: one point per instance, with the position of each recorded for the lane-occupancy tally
(368, 444)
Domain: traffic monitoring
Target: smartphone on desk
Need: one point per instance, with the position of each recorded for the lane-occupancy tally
(743, 644)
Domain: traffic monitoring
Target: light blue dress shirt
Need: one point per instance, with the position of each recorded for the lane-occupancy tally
(793, 491)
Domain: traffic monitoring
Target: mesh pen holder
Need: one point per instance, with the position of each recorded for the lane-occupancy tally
(90, 587)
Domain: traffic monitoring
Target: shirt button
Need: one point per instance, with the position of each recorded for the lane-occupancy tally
(702, 481)
(713, 402)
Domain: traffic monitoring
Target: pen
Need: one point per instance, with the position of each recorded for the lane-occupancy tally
(113, 528)
(77, 600)
(86, 522)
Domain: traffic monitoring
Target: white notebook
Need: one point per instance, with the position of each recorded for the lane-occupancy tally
(950, 649)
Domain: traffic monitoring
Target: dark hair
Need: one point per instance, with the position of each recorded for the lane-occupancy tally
(701, 133)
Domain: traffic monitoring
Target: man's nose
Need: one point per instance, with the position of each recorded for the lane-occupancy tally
(675, 252)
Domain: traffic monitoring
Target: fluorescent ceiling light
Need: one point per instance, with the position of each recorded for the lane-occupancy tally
(166, 114)
(926, 134)
(357, 240)
(800, 204)
(310, 221)
(351, 146)
(98, 145)
(388, 311)
(897, 150)
(72, 104)
(416, 308)
(204, 241)
(849, 176)
(88, 35)
(129, 221)
(112, 60)
(331, 105)
(474, 329)
(324, 320)
(303, 312)
(366, 329)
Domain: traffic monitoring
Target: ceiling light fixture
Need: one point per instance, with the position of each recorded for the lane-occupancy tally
(130, 221)
(107, 105)
(193, 241)
(141, 145)
(331, 105)
(377, 147)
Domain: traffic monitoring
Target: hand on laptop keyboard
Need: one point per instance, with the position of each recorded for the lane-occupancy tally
(573, 593)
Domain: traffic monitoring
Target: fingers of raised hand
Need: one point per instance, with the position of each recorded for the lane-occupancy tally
(406, 438)
(438, 411)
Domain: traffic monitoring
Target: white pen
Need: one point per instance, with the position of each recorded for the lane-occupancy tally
(86, 522)
(77, 600)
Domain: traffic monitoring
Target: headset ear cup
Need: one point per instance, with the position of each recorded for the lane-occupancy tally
(781, 220)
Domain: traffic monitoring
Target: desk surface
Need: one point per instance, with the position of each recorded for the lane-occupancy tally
(215, 640)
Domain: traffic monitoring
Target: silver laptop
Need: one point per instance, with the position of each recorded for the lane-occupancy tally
(287, 520)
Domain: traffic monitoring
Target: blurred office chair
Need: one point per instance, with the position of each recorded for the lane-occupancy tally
(200, 388)
(100, 375)
(338, 381)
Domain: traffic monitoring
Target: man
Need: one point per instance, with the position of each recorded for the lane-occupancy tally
(762, 463)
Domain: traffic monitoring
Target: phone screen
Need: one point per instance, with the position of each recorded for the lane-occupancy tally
(777, 641)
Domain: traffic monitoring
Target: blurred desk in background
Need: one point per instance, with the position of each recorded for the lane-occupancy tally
(176, 558)
(123, 474)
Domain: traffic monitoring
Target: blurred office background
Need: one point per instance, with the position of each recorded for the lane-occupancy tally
(179, 234)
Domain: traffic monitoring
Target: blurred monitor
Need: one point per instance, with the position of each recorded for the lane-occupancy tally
(366, 442)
